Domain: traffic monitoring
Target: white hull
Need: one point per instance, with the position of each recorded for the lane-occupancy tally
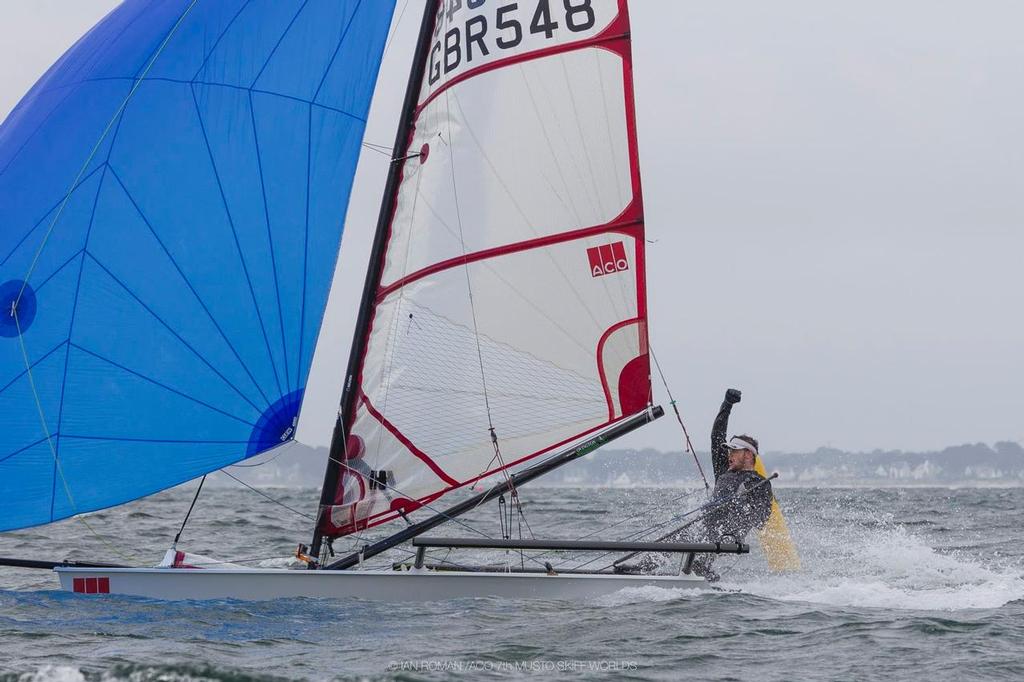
(393, 586)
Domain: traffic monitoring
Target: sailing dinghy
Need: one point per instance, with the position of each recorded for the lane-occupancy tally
(173, 192)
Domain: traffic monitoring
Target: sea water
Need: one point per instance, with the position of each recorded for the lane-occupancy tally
(920, 583)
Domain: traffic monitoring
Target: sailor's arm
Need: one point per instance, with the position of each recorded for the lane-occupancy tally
(719, 453)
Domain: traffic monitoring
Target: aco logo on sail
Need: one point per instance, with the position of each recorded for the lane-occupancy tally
(607, 259)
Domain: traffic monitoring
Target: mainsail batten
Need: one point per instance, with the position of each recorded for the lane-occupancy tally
(160, 316)
(510, 304)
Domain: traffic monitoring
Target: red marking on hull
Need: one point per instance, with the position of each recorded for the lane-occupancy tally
(90, 585)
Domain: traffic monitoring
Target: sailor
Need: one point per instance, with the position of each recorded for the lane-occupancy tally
(740, 501)
(742, 498)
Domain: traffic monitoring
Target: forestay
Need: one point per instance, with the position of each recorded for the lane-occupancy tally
(510, 316)
(172, 194)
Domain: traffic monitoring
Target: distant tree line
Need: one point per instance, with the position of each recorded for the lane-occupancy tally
(1001, 463)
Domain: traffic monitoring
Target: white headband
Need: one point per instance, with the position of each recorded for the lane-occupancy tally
(737, 443)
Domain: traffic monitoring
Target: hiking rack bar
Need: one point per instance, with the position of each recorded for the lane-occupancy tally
(585, 545)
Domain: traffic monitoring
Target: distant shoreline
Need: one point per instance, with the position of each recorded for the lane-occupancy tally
(963, 466)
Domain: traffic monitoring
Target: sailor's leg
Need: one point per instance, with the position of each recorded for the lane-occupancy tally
(660, 562)
(702, 566)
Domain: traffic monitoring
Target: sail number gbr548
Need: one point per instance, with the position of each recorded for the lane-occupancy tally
(470, 33)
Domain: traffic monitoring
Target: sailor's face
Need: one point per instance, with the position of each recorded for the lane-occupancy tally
(740, 460)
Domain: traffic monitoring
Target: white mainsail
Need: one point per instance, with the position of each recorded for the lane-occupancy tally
(510, 314)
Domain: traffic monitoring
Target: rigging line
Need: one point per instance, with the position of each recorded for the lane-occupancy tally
(410, 553)
(579, 131)
(462, 243)
(281, 450)
(551, 148)
(472, 308)
(74, 305)
(469, 283)
(372, 148)
(41, 221)
(344, 447)
(501, 518)
(646, 531)
(607, 122)
(246, 560)
(412, 497)
(424, 505)
(96, 147)
(522, 520)
(392, 335)
(561, 134)
(494, 273)
(49, 437)
(679, 418)
(522, 214)
(174, 545)
(622, 521)
(636, 535)
(705, 509)
(391, 339)
(394, 31)
(268, 497)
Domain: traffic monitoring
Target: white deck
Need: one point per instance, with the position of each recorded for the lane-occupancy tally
(384, 585)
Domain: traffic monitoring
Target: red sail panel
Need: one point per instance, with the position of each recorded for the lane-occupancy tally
(512, 293)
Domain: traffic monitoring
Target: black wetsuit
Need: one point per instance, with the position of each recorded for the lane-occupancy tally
(733, 513)
(734, 518)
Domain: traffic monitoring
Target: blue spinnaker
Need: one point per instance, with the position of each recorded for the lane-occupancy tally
(172, 196)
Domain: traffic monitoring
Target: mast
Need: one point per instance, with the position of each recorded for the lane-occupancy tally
(387, 207)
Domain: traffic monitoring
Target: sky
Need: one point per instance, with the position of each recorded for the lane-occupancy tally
(834, 196)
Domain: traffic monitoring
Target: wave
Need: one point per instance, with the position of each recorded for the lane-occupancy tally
(881, 563)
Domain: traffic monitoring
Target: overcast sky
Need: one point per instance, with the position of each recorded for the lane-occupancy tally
(835, 192)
